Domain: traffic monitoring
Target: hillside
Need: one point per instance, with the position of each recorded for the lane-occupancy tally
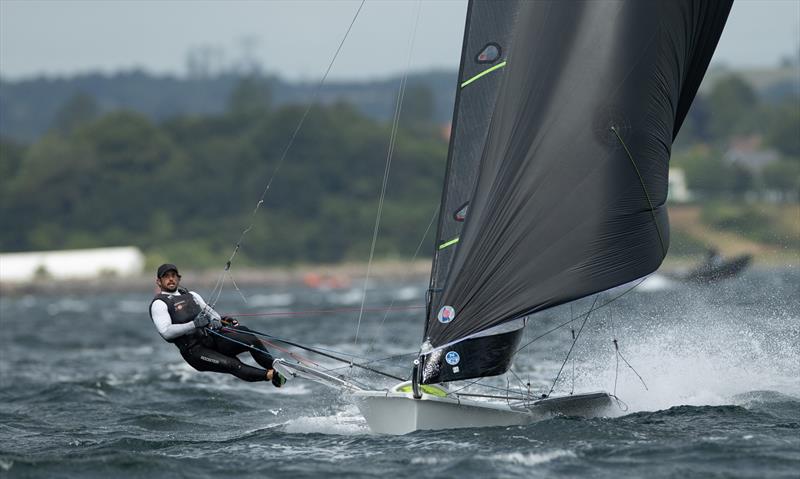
(29, 108)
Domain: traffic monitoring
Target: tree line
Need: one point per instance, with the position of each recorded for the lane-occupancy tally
(185, 188)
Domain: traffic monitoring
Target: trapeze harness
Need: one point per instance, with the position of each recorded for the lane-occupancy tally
(207, 352)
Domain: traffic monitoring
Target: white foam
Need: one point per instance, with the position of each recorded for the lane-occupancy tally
(532, 458)
(350, 297)
(408, 293)
(655, 282)
(68, 305)
(344, 423)
(131, 306)
(271, 300)
(705, 359)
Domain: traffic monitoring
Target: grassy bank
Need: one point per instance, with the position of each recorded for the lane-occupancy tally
(770, 232)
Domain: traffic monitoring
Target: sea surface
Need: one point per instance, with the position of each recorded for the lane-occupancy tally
(89, 389)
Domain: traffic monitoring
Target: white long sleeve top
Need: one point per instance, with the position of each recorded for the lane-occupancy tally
(160, 314)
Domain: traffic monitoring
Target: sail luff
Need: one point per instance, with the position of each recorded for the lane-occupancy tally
(488, 25)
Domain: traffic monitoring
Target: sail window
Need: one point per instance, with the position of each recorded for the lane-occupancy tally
(489, 54)
(461, 214)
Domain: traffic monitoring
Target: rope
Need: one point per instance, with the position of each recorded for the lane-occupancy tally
(389, 154)
(318, 351)
(629, 365)
(574, 318)
(250, 346)
(616, 354)
(217, 291)
(619, 355)
(394, 297)
(310, 312)
(572, 346)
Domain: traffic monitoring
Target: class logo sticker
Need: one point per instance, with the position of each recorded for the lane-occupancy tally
(452, 358)
(446, 314)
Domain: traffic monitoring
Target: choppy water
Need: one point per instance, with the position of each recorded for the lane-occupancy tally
(90, 390)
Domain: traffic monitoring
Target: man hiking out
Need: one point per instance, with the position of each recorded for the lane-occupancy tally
(206, 341)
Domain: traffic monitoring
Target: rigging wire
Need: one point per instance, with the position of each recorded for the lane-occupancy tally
(307, 348)
(572, 330)
(619, 355)
(390, 308)
(573, 345)
(524, 385)
(389, 155)
(217, 291)
(574, 318)
(311, 312)
(616, 348)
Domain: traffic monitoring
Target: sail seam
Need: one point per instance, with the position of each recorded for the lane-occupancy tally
(644, 188)
(484, 73)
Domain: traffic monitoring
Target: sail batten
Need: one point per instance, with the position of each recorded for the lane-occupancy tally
(565, 172)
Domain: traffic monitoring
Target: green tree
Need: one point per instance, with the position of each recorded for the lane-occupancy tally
(733, 105)
(11, 154)
(251, 97)
(81, 108)
(784, 128)
(782, 176)
(708, 174)
(418, 107)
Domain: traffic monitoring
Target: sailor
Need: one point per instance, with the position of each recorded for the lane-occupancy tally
(206, 341)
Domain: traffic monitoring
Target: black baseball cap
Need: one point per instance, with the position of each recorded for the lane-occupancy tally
(162, 270)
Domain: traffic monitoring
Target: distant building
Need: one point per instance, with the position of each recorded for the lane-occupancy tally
(70, 264)
(748, 152)
(678, 192)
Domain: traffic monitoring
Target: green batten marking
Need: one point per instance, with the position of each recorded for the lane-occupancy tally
(485, 72)
(449, 243)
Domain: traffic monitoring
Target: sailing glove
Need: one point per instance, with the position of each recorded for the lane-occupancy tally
(208, 317)
(277, 379)
(200, 321)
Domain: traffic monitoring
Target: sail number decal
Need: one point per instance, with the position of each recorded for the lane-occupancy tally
(446, 314)
(452, 358)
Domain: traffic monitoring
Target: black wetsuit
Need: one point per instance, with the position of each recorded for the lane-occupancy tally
(218, 354)
(215, 350)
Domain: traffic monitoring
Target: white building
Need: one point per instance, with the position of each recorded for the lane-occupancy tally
(678, 191)
(70, 264)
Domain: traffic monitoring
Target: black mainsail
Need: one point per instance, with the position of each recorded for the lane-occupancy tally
(557, 173)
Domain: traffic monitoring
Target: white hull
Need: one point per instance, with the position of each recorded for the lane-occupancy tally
(399, 413)
(396, 411)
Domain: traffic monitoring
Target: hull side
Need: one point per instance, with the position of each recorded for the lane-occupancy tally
(398, 413)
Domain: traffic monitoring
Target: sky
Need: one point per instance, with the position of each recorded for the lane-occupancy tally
(296, 39)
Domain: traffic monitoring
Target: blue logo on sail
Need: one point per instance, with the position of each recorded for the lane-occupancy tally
(446, 314)
(452, 358)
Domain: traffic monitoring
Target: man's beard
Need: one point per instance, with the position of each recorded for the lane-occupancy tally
(167, 289)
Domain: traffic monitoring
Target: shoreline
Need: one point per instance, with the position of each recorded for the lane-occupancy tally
(336, 276)
(320, 276)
